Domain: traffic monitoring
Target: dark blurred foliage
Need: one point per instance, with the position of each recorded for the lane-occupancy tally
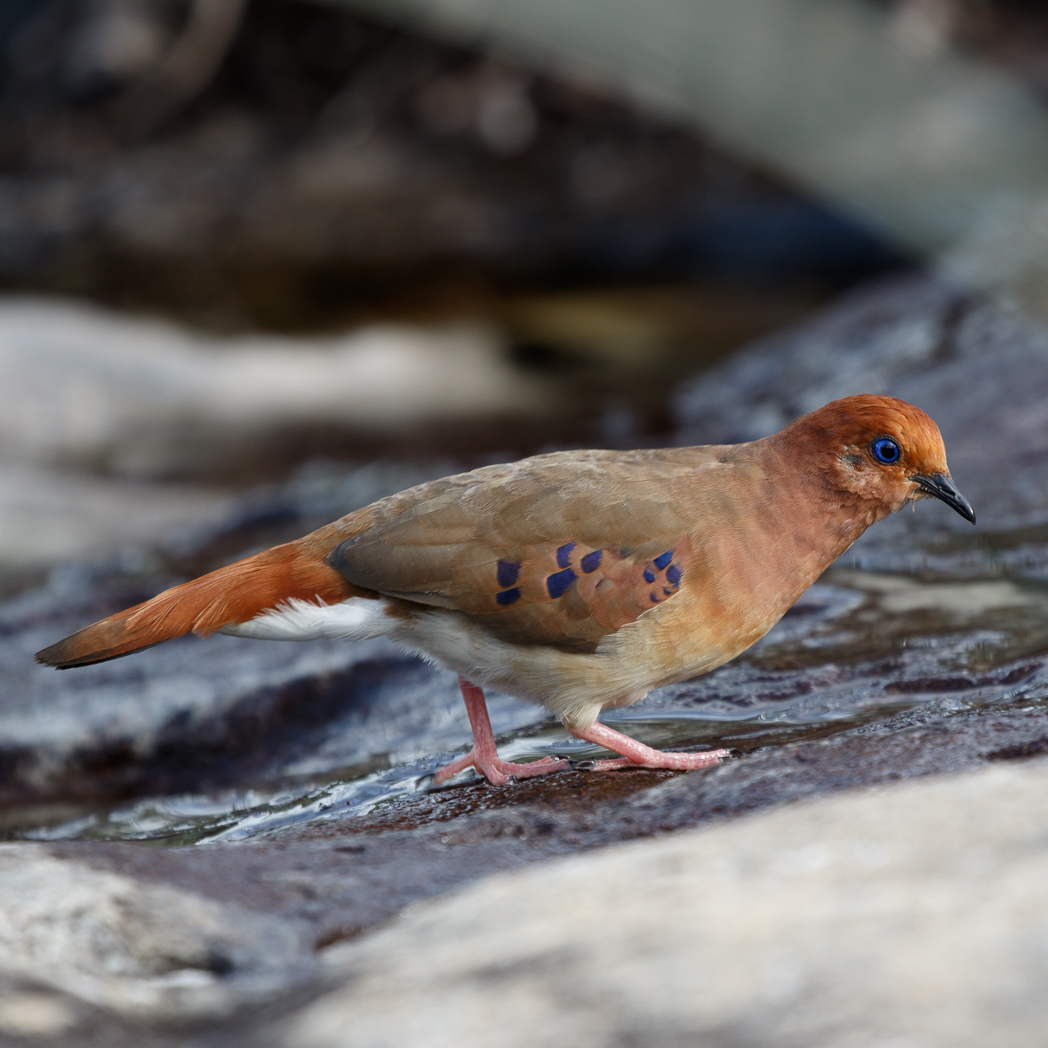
(288, 165)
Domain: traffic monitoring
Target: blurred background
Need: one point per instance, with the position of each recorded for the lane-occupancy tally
(239, 238)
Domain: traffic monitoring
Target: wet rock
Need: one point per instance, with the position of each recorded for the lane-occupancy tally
(338, 877)
(346, 874)
(977, 367)
(202, 715)
(912, 913)
(237, 711)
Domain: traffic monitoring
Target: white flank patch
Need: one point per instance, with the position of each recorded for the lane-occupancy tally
(358, 618)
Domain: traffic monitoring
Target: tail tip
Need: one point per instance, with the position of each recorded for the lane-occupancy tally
(55, 656)
(85, 648)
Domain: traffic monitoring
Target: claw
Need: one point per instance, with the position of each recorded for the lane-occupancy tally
(497, 771)
(484, 756)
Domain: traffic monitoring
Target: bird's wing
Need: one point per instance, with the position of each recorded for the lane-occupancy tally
(557, 551)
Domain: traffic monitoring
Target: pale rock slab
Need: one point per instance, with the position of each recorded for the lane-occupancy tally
(145, 950)
(914, 915)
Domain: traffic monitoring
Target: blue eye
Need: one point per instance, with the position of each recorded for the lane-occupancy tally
(885, 450)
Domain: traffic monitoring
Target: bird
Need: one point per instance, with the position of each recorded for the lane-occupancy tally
(579, 580)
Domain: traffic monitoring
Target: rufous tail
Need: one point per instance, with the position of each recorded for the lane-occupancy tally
(228, 596)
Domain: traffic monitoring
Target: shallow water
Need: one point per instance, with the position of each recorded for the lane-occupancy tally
(858, 648)
(236, 815)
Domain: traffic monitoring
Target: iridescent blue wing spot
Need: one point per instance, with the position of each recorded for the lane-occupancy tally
(507, 572)
(509, 596)
(663, 559)
(564, 554)
(591, 561)
(558, 583)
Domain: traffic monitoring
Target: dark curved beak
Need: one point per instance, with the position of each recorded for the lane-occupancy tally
(941, 486)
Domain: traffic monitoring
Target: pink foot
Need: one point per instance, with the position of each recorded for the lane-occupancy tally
(637, 755)
(484, 756)
(497, 771)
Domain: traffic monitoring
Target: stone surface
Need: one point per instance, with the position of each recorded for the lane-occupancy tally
(338, 879)
(341, 877)
(977, 367)
(239, 711)
(141, 949)
(49, 515)
(195, 715)
(914, 915)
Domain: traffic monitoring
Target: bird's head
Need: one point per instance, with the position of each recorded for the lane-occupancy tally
(876, 448)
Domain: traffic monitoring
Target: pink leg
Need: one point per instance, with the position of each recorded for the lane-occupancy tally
(484, 756)
(637, 755)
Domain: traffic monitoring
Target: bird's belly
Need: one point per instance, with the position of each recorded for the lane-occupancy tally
(575, 687)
